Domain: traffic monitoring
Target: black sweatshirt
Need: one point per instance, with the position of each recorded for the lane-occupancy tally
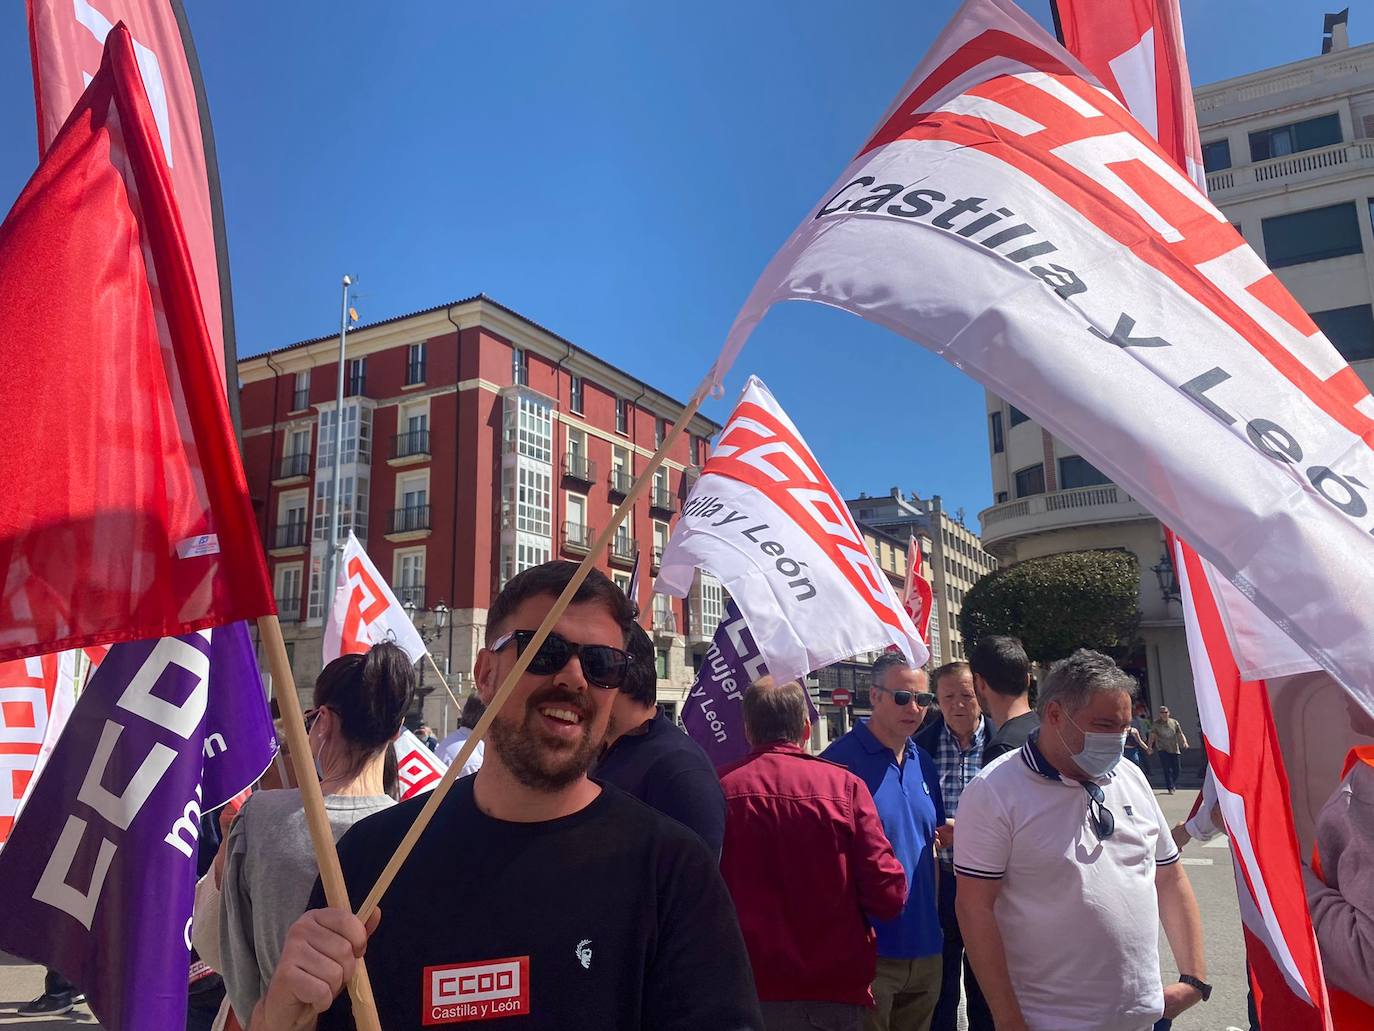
(664, 768)
(611, 919)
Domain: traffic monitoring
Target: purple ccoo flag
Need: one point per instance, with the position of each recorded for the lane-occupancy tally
(713, 715)
(100, 871)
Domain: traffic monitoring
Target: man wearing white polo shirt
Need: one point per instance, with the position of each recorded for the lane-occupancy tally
(1064, 859)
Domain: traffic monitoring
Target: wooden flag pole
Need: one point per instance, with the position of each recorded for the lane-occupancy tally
(321, 836)
(435, 666)
(436, 797)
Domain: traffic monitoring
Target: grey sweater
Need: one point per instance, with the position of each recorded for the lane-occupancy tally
(1342, 901)
(269, 872)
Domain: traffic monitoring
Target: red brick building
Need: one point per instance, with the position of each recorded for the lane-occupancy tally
(476, 444)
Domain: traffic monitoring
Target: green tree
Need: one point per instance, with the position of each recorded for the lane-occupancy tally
(1055, 604)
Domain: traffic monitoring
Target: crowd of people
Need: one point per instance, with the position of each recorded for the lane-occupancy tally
(961, 845)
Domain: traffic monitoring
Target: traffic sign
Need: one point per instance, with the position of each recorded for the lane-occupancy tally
(841, 696)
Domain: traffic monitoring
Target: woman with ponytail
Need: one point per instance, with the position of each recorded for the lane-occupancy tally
(360, 702)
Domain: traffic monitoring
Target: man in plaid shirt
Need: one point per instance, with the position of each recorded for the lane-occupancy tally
(956, 743)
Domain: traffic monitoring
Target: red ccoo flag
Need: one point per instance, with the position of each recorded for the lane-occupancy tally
(127, 513)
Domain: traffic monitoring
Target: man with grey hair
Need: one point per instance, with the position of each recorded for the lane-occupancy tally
(1065, 864)
(906, 790)
(808, 866)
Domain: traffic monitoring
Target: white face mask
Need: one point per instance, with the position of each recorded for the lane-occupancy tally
(1101, 751)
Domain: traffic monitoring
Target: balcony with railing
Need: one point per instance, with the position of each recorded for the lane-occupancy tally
(579, 467)
(289, 536)
(1060, 509)
(621, 482)
(622, 550)
(577, 538)
(665, 622)
(289, 609)
(409, 448)
(412, 520)
(1291, 169)
(662, 499)
(294, 467)
(411, 595)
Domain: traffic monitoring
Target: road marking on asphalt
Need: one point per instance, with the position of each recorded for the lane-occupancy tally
(1188, 861)
(1220, 841)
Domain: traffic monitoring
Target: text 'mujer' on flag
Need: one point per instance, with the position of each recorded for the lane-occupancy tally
(1010, 215)
(768, 523)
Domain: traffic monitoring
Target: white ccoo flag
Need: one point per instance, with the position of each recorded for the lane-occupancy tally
(1011, 216)
(766, 521)
(365, 612)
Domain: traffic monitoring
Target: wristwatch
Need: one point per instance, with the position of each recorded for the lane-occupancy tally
(1196, 982)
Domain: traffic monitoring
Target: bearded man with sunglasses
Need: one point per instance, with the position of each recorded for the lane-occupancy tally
(905, 786)
(1065, 863)
(535, 893)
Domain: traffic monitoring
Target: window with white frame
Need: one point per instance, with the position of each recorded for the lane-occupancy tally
(300, 396)
(298, 443)
(415, 364)
(660, 539)
(357, 435)
(409, 576)
(287, 589)
(660, 431)
(529, 427)
(292, 523)
(576, 506)
(520, 367)
(352, 506)
(412, 499)
(621, 580)
(575, 399)
(620, 461)
(622, 415)
(534, 500)
(357, 376)
(315, 610)
(712, 604)
(577, 443)
(625, 535)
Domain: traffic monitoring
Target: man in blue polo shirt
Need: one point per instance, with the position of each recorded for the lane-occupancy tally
(906, 789)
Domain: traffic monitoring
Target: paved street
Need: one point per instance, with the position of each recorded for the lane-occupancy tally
(20, 982)
(1209, 869)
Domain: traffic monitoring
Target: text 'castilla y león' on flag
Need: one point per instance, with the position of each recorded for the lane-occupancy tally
(767, 522)
(1010, 215)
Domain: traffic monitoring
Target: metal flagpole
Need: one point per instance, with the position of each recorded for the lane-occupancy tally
(335, 545)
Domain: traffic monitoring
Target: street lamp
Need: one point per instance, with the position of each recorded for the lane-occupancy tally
(1168, 578)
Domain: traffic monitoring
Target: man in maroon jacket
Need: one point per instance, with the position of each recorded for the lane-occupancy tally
(808, 866)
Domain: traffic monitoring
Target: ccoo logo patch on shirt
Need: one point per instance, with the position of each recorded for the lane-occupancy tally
(486, 990)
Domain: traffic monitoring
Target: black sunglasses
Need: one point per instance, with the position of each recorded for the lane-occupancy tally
(602, 665)
(1104, 823)
(903, 698)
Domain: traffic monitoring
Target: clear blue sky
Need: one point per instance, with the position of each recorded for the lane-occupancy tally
(618, 171)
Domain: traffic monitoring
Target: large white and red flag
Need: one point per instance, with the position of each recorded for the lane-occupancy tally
(1135, 48)
(917, 596)
(365, 611)
(136, 523)
(1252, 791)
(1009, 214)
(768, 523)
(36, 697)
(66, 38)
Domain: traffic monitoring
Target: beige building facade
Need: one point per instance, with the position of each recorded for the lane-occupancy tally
(955, 557)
